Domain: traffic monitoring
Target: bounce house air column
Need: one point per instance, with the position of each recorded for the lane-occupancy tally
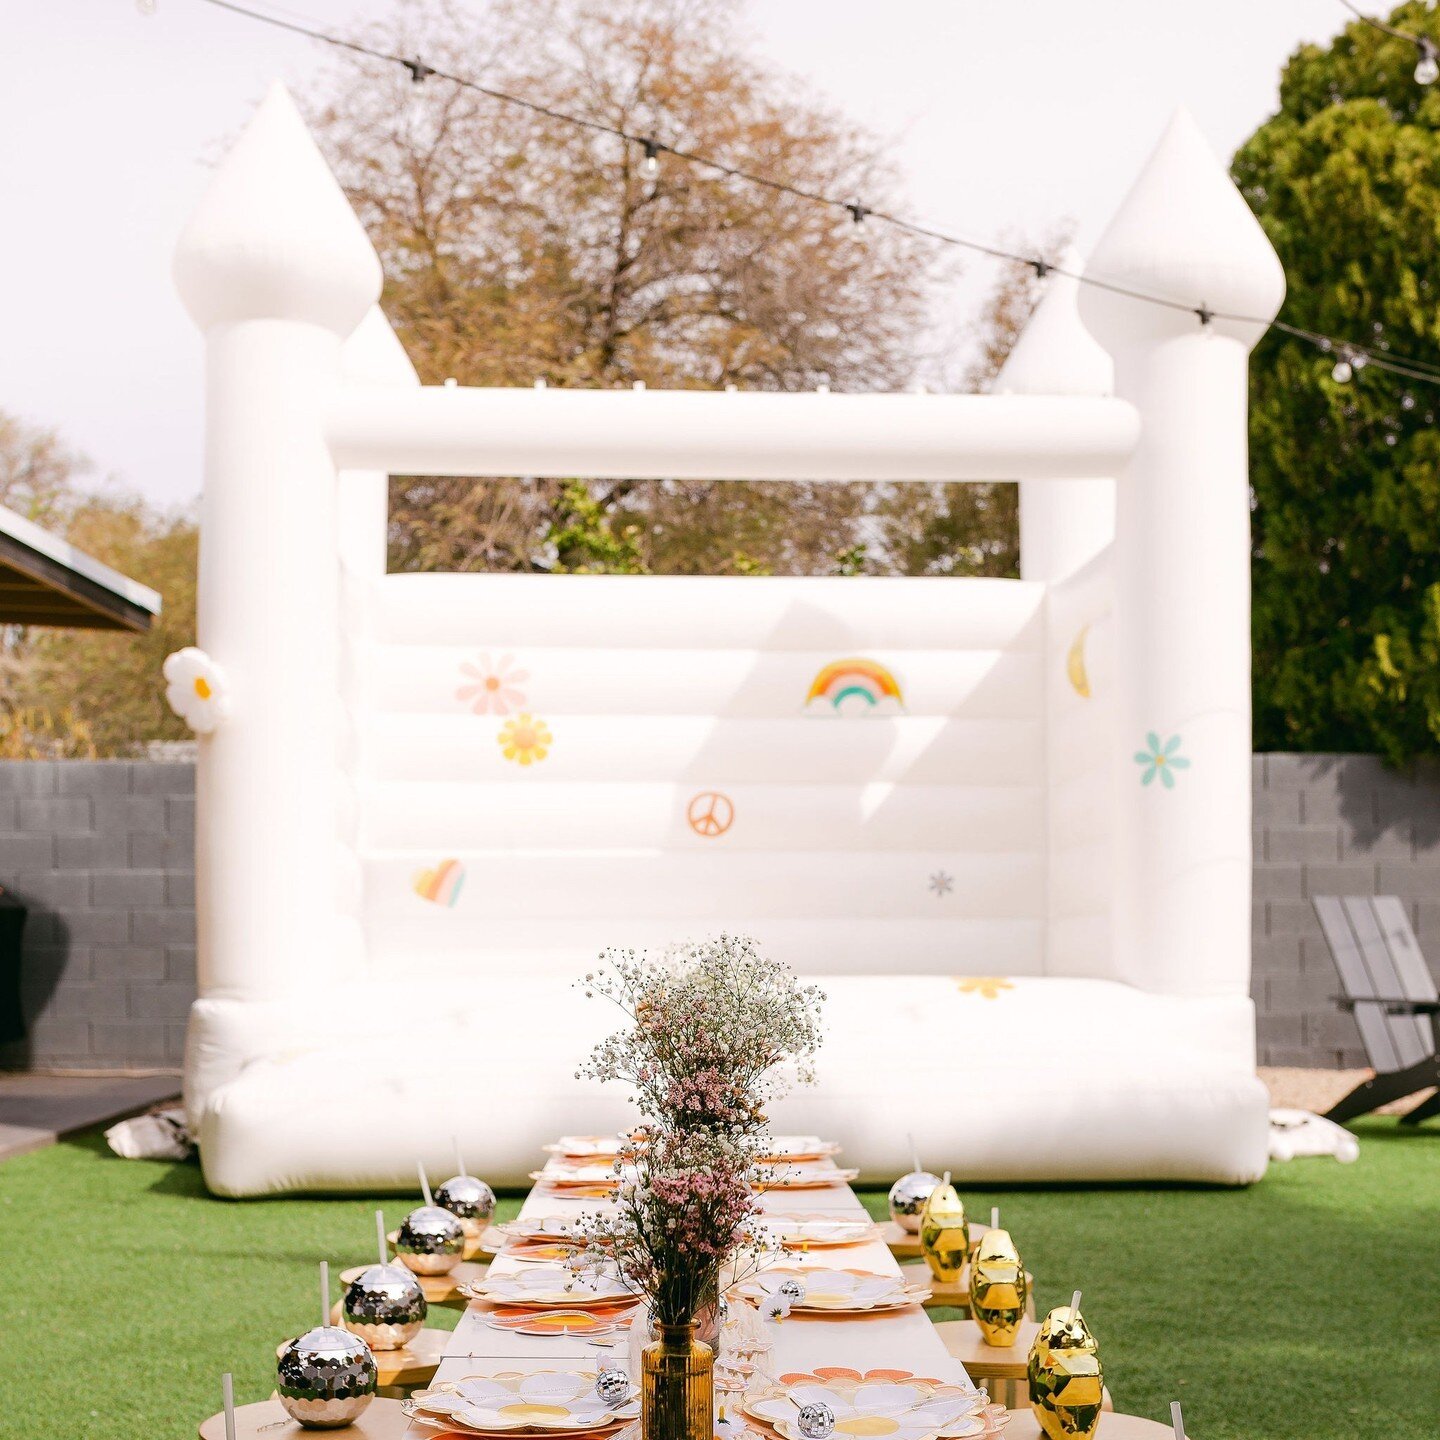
(1181, 911)
(1063, 523)
(277, 272)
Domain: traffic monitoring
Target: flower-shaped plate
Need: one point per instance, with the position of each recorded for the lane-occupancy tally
(521, 1320)
(587, 1147)
(835, 1292)
(561, 1175)
(545, 1402)
(891, 1403)
(817, 1231)
(806, 1179)
(536, 1252)
(546, 1227)
(795, 1148)
(549, 1285)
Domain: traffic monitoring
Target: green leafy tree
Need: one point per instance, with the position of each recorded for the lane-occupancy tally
(91, 692)
(1346, 181)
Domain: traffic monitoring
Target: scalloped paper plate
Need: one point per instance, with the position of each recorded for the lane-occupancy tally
(796, 1148)
(587, 1147)
(835, 1292)
(807, 1179)
(544, 1402)
(892, 1403)
(522, 1321)
(818, 1231)
(558, 1173)
(549, 1285)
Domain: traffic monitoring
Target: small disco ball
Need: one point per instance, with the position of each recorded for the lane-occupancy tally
(470, 1201)
(431, 1241)
(815, 1422)
(792, 1290)
(385, 1306)
(908, 1196)
(613, 1387)
(326, 1377)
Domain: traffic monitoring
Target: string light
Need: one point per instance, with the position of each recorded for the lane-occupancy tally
(1427, 69)
(1352, 357)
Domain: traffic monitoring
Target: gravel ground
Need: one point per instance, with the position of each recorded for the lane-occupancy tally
(1318, 1090)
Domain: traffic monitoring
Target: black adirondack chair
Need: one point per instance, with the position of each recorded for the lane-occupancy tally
(1391, 992)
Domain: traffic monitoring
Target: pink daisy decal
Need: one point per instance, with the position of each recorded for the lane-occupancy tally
(492, 689)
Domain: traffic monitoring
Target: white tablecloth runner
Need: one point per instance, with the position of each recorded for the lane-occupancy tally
(893, 1340)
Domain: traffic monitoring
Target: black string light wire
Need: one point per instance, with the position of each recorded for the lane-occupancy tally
(1427, 65)
(1350, 356)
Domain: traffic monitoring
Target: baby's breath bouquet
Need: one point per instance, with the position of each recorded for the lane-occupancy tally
(684, 1210)
(717, 1032)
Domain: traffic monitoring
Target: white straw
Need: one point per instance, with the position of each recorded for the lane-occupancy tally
(227, 1389)
(1075, 1306)
(459, 1158)
(324, 1292)
(994, 1217)
(380, 1237)
(914, 1154)
(947, 1177)
(424, 1183)
(1177, 1420)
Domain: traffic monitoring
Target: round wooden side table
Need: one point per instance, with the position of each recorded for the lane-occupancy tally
(905, 1244)
(266, 1420)
(1000, 1369)
(411, 1366)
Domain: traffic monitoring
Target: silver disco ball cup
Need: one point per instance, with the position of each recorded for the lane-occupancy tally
(908, 1196)
(385, 1307)
(326, 1377)
(470, 1201)
(431, 1241)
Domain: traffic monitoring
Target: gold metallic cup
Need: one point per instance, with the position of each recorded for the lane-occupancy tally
(1066, 1382)
(944, 1235)
(998, 1288)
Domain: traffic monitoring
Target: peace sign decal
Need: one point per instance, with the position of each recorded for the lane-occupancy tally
(710, 813)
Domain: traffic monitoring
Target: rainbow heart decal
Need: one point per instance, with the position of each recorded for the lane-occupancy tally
(441, 885)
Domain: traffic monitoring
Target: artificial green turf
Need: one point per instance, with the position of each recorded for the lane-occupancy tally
(1304, 1308)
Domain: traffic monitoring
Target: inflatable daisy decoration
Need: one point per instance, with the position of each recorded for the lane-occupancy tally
(195, 689)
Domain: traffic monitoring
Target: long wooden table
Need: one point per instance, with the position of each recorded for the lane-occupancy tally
(897, 1339)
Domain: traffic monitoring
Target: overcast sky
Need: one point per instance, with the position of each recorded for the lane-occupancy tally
(1006, 117)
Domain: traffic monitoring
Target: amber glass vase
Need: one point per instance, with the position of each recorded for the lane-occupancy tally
(677, 1397)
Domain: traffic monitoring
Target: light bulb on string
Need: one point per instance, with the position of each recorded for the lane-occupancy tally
(1427, 69)
(147, 7)
(652, 158)
(1349, 362)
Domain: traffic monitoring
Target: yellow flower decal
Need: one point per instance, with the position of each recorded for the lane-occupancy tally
(987, 987)
(525, 739)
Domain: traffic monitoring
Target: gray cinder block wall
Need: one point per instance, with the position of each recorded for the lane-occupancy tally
(103, 855)
(1332, 825)
(102, 852)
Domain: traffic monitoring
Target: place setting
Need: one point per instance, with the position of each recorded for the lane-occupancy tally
(557, 1403)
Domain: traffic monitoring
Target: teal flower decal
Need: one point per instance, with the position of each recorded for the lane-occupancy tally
(1161, 760)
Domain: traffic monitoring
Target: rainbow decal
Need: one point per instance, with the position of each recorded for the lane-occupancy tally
(441, 885)
(864, 685)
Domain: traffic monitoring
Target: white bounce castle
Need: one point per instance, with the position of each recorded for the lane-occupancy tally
(1007, 822)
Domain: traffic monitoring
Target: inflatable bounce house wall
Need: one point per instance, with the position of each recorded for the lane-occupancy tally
(1006, 822)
